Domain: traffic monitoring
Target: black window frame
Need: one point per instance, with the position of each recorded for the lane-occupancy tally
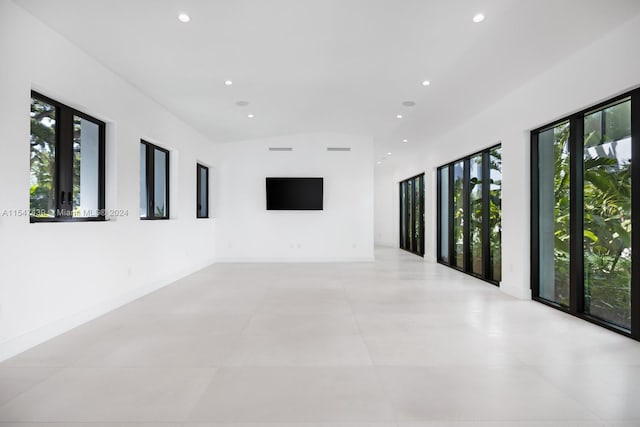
(64, 163)
(485, 232)
(576, 269)
(199, 202)
(150, 180)
(405, 243)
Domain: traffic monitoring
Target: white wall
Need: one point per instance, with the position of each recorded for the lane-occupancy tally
(599, 71)
(343, 231)
(385, 207)
(388, 175)
(54, 276)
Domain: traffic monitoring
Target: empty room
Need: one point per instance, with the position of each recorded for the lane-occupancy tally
(319, 213)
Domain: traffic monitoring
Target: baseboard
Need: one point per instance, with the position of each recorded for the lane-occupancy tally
(17, 345)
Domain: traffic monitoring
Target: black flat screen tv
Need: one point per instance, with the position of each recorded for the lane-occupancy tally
(294, 194)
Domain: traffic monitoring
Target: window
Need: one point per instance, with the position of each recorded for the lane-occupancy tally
(154, 181)
(584, 208)
(458, 214)
(469, 214)
(67, 163)
(202, 179)
(475, 214)
(443, 214)
(412, 215)
(494, 210)
(553, 209)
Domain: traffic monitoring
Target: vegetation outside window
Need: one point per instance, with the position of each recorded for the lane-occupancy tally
(585, 213)
(67, 152)
(469, 214)
(412, 215)
(154, 181)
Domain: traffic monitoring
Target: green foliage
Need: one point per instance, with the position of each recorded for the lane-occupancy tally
(476, 218)
(458, 214)
(43, 162)
(607, 229)
(607, 214)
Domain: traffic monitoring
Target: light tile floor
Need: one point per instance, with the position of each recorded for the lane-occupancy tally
(398, 342)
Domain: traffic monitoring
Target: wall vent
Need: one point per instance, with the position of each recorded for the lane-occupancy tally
(280, 149)
(338, 148)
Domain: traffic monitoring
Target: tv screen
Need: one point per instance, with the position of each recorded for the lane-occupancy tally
(293, 194)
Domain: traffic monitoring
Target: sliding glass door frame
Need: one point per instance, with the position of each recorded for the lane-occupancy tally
(576, 305)
(485, 173)
(411, 233)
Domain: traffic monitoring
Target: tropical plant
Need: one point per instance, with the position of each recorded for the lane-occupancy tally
(42, 201)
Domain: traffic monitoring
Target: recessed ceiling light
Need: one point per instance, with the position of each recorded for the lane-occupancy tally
(251, 116)
(183, 17)
(405, 140)
(478, 18)
(228, 82)
(399, 116)
(426, 83)
(389, 153)
(379, 162)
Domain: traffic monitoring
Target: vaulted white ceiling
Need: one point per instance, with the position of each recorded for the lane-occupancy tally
(329, 65)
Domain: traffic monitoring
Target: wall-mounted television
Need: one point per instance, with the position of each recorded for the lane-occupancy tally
(294, 194)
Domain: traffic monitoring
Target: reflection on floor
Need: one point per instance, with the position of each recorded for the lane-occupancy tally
(398, 342)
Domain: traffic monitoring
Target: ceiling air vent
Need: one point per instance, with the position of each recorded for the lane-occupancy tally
(280, 149)
(338, 148)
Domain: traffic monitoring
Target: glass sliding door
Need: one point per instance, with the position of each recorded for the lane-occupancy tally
(495, 214)
(417, 216)
(412, 215)
(469, 214)
(409, 210)
(475, 214)
(403, 214)
(607, 213)
(553, 213)
(443, 212)
(586, 199)
(458, 215)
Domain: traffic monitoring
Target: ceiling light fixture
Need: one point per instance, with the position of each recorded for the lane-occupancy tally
(426, 83)
(405, 140)
(399, 116)
(379, 162)
(228, 82)
(478, 18)
(251, 116)
(183, 17)
(389, 153)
